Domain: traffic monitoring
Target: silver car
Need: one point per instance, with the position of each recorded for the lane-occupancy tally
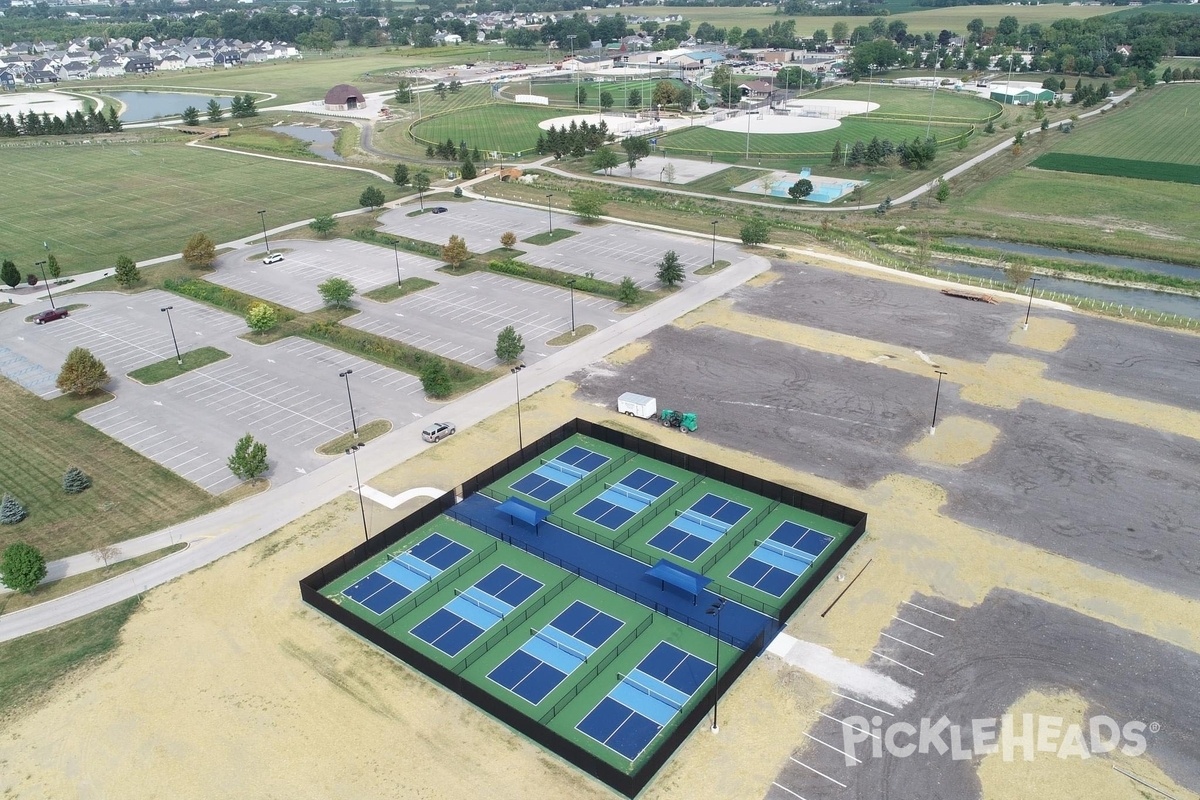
(437, 431)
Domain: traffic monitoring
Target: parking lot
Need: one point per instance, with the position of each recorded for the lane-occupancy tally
(479, 222)
(460, 318)
(287, 394)
(293, 282)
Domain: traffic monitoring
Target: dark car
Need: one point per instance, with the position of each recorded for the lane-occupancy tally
(50, 316)
(440, 210)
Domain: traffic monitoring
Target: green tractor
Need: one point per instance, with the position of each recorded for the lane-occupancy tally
(677, 419)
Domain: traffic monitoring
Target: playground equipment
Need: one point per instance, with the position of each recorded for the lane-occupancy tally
(686, 422)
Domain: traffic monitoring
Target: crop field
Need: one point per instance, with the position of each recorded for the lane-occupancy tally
(1158, 128)
(897, 102)
(563, 92)
(726, 144)
(502, 127)
(1119, 167)
(953, 18)
(142, 199)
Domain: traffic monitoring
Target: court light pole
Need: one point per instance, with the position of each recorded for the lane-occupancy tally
(571, 286)
(870, 80)
(396, 253)
(171, 325)
(353, 424)
(936, 396)
(1029, 308)
(714, 242)
(715, 611)
(45, 281)
(550, 213)
(932, 97)
(352, 451)
(262, 215)
(516, 372)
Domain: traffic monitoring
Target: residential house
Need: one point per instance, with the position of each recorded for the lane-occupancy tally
(139, 64)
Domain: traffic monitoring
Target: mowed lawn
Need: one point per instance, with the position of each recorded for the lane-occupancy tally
(953, 18)
(130, 494)
(1161, 127)
(94, 203)
(819, 145)
(914, 103)
(498, 126)
(564, 92)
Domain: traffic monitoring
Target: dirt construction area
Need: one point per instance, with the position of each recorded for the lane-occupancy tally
(1036, 556)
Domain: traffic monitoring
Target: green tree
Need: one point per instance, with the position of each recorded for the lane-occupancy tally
(215, 112)
(52, 266)
(588, 204)
(581, 95)
(1017, 274)
(421, 184)
(191, 116)
(455, 252)
(400, 175)
(606, 158)
(670, 270)
(508, 239)
(757, 230)
(435, 378)
(75, 481)
(840, 30)
(468, 170)
(372, 197)
(629, 292)
(943, 191)
(800, 189)
(127, 272)
(404, 93)
(1039, 109)
(247, 107)
(606, 100)
(249, 459)
(509, 345)
(635, 99)
(322, 225)
(11, 510)
(664, 93)
(200, 251)
(336, 292)
(10, 274)
(82, 373)
(261, 317)
(635, 147)
(22, 567)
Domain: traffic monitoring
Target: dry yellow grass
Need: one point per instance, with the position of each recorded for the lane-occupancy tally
(958, 442)
(1045, 333)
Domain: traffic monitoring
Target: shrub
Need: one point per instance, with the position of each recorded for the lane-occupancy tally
(629, 291)
(435, 379)
(31, 279)
(508, 239)
(75, 481)
(509, 344)
(11, 510)
(82, 373)
(261, 318)
(249, 459)
(22, 567)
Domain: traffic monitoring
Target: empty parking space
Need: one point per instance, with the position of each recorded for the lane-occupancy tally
(293, 282)
(315, 357)
(479, 222)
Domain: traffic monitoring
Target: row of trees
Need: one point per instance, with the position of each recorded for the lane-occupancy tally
(917, 154)
(74, 123)
(575, 139)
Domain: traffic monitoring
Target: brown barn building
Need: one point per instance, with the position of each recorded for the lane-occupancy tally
(343, 97)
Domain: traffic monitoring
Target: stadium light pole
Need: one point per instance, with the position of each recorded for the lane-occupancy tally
(396, 253)
(46, 281)
(932, 96)
(714, 242)
(571, 286)
(353, 423)
(262, 215)
(171, 325)
(516, 373)
(937, 395)
(550, 213)
(870, 80)
(715, 611)
(1029, 308)
(352, 451)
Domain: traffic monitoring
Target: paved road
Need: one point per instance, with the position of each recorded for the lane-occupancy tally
(231, 528)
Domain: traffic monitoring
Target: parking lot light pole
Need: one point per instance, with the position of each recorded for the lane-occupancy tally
(715, 611)
(714, 254)
(516, 371)
(936, 396)
(571, 286)
(352, 451)
(550, 213)
(171, 325)
(49, 294)
(1029, 308)
(396, 253)
(350, 399)
(262, 215)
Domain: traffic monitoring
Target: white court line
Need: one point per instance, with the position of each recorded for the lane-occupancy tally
(913, 646)
(918, 627)
(789, 791)
(894, 661)
(845, 724)
(861, 703)
(822, 774)
(927, 611)
(837, 750)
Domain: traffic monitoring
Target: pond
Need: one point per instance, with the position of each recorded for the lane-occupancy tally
(320, 140)
(1119, 262)
(141, 106)
(1163, 302)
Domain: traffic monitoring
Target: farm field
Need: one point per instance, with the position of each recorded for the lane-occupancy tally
(502, 127)
(144, 199)
(1161, 128)
(130, 495)
(896, 102)
(728, 145)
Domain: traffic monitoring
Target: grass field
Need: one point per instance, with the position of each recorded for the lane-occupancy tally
(897, 102)
(503, 127)
(130, 494)
(1119, 167)
(92, 204)
(563, 92)
(1161, 128)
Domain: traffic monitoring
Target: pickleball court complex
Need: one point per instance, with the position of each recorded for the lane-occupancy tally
(569, 590)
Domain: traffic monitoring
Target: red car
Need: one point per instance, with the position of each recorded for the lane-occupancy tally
(50, 316)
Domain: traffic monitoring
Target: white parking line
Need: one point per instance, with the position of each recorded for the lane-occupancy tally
(918, 627)
(927, 611)
(837, 750)
(822, 774)
(861, 703)
(909, 644)
(845, 724)
(894, 661)
(789, 791)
